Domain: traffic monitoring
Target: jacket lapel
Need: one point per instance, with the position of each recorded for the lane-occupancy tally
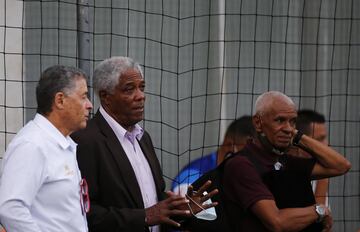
(153, 163)
(125, 169)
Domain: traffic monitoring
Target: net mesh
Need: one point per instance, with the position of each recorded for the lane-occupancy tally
(204, 62)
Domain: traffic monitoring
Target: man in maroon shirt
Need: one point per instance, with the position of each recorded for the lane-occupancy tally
(267, 190)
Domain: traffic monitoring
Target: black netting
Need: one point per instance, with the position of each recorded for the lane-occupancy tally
(205, 62)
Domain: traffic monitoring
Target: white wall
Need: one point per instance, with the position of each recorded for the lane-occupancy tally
(11, 68)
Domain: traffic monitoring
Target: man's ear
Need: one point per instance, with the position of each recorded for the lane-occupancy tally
(257, 123)
(59, 100)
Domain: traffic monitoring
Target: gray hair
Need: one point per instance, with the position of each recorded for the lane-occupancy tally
(107, 73)
(265, 101)
(57, 78)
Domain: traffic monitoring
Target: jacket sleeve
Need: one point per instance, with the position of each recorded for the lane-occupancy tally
(103, 215)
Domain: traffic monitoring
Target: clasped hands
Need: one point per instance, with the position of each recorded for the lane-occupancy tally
(178, 206)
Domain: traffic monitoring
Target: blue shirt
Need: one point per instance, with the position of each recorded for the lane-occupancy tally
(192, 172)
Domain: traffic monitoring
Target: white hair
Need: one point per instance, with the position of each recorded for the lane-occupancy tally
(107, 73)
(265, 101)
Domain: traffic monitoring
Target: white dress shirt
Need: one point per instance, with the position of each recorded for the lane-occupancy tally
(138, 161)
(40, 183)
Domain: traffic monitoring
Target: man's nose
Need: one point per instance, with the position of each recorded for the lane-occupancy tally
(89, 105)
(139, 94)
(288, 127)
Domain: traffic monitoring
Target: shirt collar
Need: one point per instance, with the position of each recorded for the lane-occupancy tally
(53, 132)
(120, 131)
(267, 158)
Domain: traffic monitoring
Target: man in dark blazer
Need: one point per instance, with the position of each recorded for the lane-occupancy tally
(117, 158)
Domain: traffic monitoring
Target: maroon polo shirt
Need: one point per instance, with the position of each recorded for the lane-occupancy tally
(242, 182)
(243, 185)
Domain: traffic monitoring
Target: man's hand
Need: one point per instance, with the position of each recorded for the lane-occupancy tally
(160, 213)
(197, 198)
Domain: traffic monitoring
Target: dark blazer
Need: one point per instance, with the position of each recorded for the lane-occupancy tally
(115, 196)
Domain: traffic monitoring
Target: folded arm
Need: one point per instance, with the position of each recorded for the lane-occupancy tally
(329, 162)
(288, 219)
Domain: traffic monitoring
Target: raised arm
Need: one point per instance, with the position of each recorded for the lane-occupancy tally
(329, 162)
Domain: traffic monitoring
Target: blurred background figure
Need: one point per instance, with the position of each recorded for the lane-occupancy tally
(236, 136)
(313, 124)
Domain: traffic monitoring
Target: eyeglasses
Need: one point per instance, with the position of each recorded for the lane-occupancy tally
(84, 196)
